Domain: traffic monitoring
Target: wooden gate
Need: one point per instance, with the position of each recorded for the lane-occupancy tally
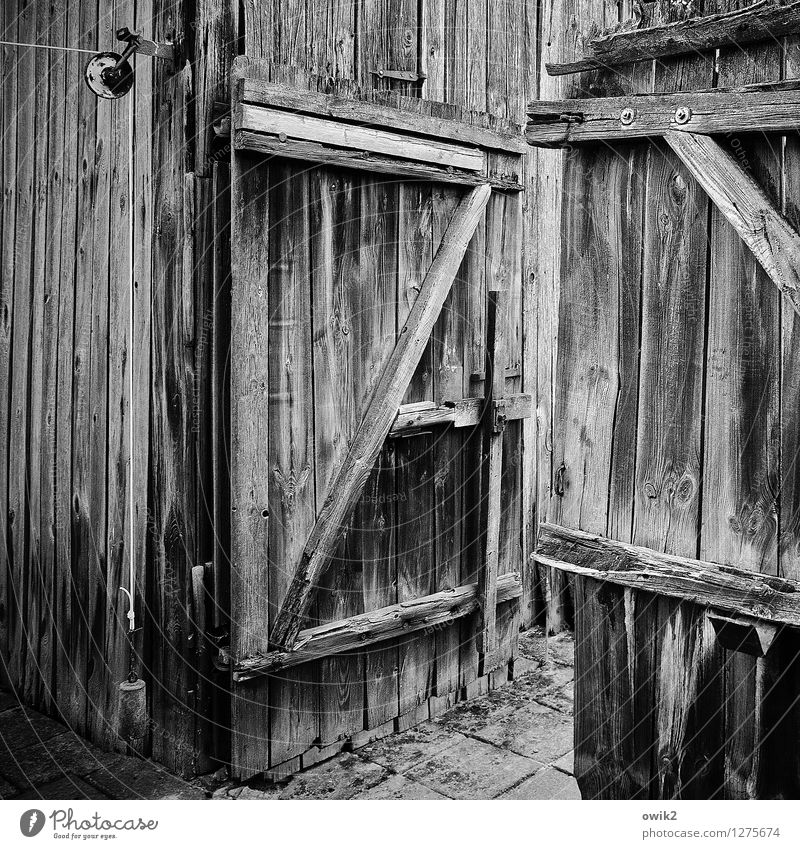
(375, 363)
(676, 413)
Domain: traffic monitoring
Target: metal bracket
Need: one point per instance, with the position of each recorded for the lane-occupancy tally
(143, 46)
(405, 76)
(499, 415)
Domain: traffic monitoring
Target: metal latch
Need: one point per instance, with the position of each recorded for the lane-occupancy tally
(405, 76)
(500, 417)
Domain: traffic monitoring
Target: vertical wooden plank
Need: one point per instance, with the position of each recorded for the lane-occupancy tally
(293, 694)
(173, 473)
(414, 516)
(375, 517)
(605, 756)
(331, 38)
(448, 380)
(35, 590)
(531, 603)
(7, 218)
(387, 39)
(668, 495)
(111, 650)
(213, 48)
(67, 688)
(741, 463)
(340, 394)
(142, 206)
(782, 695)
(249, 467)
(789, 499)
(564, 25)
(20, 355)
(220, 621)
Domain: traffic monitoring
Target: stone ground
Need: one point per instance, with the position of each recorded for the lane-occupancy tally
(513, 743)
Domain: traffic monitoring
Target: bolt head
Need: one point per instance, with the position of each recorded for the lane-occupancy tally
(683, 114)
(627, 116)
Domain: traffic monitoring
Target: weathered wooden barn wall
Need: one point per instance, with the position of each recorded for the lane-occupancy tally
(330, 284)
(675, 428)
(64, 357)
(64, 360)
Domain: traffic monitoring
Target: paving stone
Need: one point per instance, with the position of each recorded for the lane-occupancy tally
(252, 794)
(533, 644)
(524, 666)
(401, 752)
(473, 769)
(548, 783)
(561, 699)
(8, 700)
(561, 649)
(66, 787)
(342, 777)
(47, 761)
(7, 789)
(399, 787)
(566, 763)
(22, 727)
(532, 730)
(123, 777)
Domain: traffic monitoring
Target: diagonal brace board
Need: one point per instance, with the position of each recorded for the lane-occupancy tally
(352, 475)
(773, 241)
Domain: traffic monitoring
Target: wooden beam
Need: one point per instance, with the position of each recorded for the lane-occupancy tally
(773, 241)
(357, 632)
(773, 107)
(494, 424)
(289, 125)
(722, 588)
(308, 151)
(280, 96)
(464, 413)
(352, 475)
(763, 21)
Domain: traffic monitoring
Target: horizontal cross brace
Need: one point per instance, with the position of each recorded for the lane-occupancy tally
(773, 107)
(720, 588)
(288, 125)
(464, 413)
(763, 21)
(278, 120)
(349, 110)
(397, 620)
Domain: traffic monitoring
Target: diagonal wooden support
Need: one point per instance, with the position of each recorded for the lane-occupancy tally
(494, 425)
(773, 241)
(352, 476)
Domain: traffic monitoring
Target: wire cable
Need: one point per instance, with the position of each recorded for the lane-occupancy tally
(47, 47)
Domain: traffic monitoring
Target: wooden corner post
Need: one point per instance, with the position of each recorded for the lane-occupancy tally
(351, 477)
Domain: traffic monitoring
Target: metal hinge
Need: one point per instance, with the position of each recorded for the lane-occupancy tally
(405, 76)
